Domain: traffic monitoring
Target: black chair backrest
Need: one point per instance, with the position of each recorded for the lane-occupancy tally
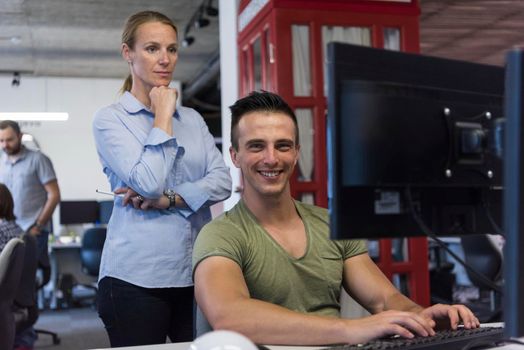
(26, 293)
(91, 249)
(11, 264)
(482, 255)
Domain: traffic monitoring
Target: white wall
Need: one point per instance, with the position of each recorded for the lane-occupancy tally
(69, 144)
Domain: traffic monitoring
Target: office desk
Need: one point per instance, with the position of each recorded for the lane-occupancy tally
(65, 260)
(185, 346)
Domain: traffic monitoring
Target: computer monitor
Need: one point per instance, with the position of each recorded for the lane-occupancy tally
(78, 212)
(514, 195)
(412, 139)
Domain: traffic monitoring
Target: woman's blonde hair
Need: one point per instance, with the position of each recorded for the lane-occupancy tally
(129, 33)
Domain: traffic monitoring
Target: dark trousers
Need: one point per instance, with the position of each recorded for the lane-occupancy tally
(41, 244)
(134, 315)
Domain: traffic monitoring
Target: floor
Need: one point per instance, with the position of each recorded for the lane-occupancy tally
(78, 328)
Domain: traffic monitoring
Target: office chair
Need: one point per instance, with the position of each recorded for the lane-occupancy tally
(90, 256)
(25, 308)
(202, 325)
(45, 267)
(91, 250)
(11, 264)
(482, 255)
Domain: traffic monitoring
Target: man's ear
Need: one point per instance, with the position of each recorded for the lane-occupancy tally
(233, 153)
(298, 154)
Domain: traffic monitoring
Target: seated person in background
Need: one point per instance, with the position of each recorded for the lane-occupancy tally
(8, 227)
(267, 268)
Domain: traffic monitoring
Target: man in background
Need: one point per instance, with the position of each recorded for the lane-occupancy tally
(30, 177)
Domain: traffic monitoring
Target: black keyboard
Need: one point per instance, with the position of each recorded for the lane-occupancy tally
(449, 340)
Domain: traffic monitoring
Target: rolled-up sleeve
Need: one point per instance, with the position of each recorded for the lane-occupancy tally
(141, 158)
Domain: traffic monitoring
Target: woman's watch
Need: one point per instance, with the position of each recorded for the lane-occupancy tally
(171, 195)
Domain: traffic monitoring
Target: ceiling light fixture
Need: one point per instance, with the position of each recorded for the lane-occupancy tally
(188, 40)
(198, 21)
(201, 22)
(34, 116)
(211, 10)
(16, 79)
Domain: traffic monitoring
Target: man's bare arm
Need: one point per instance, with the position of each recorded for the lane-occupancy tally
(367, 285)
(53, 198)
(364, 281)
(223, 296)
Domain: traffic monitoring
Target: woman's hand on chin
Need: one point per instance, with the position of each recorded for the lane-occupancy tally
(163, 100)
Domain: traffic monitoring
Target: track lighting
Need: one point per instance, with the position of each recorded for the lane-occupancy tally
(188, 40)
(210, 10)
(201, 22)
(198, 21)
(16, 79)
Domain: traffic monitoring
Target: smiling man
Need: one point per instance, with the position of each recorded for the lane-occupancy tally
(267, 267)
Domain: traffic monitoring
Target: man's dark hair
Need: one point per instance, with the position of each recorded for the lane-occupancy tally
(6, 204)
(259, 101)
(4, 124)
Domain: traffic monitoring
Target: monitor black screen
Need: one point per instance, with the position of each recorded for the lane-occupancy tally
(412, 134)
(78, 212)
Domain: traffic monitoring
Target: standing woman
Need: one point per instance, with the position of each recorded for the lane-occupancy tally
(163, 162)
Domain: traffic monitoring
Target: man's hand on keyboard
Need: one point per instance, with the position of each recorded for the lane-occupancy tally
(388, 323)
(450, 316)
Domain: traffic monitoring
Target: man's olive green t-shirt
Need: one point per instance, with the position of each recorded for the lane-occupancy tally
(309, 284)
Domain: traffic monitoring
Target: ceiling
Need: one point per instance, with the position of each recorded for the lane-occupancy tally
(82, 37)
(471, 30)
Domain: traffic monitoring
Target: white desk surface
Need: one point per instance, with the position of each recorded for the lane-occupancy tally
(59, 245)
(185, 346)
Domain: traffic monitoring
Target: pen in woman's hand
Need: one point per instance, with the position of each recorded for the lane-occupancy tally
(110, 193)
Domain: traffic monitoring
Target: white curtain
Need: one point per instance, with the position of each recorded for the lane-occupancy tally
(350, 35)
(306, 159)
(302, 87)
(301, 61)
(392, 39)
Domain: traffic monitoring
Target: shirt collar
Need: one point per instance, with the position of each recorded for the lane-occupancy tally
(20, 155)
(132, 105)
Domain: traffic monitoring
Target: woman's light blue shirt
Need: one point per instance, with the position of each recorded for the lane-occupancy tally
(153, 248)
